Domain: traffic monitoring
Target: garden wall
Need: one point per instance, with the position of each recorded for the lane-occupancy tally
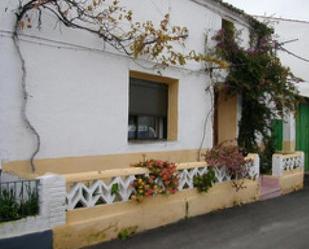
(288, 169)
(96, 212)
(87, 226)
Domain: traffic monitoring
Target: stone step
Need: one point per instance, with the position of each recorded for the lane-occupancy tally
(270, 193)
(269, 181)
(270, 187)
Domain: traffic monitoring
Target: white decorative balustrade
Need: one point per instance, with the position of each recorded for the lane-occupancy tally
(187, 172)
(287, 162)
(106, 187)
(89, 189)
(253, 167)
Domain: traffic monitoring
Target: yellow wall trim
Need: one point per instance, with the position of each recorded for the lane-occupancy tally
(292, 181)
(288, 146)
(226, 110)
(69, 165)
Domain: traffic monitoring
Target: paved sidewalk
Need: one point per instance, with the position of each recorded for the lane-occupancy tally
(281, 223)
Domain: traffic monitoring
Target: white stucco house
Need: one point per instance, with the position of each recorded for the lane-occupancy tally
(97, 111)
(82, 94)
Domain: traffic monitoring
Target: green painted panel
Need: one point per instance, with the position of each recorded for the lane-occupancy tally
(277, 134)
(302, 132)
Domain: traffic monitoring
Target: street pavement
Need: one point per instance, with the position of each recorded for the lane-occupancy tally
(281, 223)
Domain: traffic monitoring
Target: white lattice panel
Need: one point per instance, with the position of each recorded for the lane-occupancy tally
(287, 162)
(252, 171)
(291, 163)
(88, 195)
(222, 174)
(186, 177)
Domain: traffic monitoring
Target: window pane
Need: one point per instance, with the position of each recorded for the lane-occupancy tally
(147, 128)
(132, 127)
(148, 98)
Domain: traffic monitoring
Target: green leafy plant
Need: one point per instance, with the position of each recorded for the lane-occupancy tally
(11, 208)
(127, 232)
(266, 156)
(267, 88)
(162, 179)
(204, 182)
(115, 189)
(31, 205)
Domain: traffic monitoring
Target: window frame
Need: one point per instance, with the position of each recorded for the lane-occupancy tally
(172, 105)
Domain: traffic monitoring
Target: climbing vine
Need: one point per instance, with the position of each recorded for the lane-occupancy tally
(115, 24)
(267, 88)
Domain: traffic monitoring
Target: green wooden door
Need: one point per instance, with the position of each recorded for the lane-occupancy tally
(302, 132)
(277, 134)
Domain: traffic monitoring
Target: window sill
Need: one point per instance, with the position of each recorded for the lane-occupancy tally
(159, 141)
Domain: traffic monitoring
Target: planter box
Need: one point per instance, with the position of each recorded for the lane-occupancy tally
(288, 169)
(52, 213)
(23, 226)
(88, 226)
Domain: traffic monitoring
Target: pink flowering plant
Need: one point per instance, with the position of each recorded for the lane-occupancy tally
(233, 159)
(162, 179)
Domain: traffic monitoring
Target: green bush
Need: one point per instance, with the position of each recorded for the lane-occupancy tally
(204, 182)
(127, 232)
(9, 208)
(13, 209)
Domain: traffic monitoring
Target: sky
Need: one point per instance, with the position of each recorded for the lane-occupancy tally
(291, 9)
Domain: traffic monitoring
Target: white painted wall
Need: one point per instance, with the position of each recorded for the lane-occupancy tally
(79, 97)
(285, 30)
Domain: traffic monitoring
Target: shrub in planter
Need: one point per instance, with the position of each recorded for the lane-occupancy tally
(12, 208)
(233, 159)
(204, 182)
(9, 208)
(162, 179)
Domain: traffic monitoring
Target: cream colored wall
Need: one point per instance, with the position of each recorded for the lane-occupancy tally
(96, 163)
(291, 181)
(87, 226)
(227, 111)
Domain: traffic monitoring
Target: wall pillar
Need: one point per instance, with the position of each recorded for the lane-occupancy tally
(289, 133)
(52, 192)
(277, 163)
